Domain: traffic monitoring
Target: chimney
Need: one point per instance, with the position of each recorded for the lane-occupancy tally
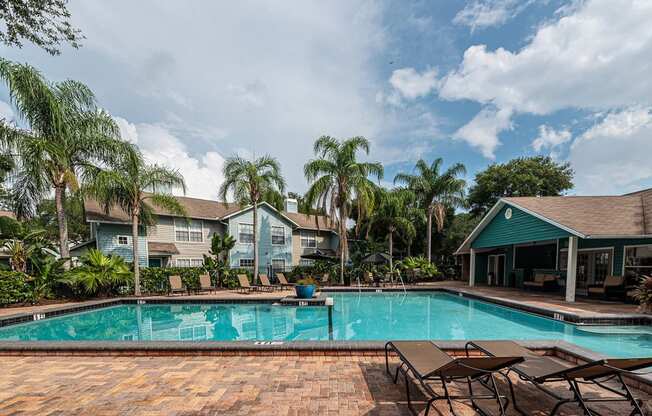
(291, 205)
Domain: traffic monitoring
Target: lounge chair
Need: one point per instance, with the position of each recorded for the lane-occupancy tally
(205, 284)
(367, 278)
(540, 370)
(283, 281)
(542, 281)
(427, 363)
(325, 279)
(613, 286)
(265, 283)
(176, 285)
(245, 287)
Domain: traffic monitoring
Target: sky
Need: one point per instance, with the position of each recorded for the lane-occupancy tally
(476, 81)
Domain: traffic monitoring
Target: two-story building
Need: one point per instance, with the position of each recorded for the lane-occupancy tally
(174, 241)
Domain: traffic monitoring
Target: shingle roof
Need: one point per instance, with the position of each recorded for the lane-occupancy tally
(592, 215)
(165, 248)
(588, 216)
(201, 209)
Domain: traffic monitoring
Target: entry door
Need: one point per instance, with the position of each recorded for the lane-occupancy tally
(496, 270)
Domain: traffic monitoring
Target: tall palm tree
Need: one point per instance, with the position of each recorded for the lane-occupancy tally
(68, 137)
(251, 182)
(437, 191)
(395, 214)
(336, 177)
(134, 186)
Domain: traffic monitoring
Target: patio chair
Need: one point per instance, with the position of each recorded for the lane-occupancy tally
(367, 278)
(283, 281)
(427, 363)
(325, 279)
(245, 287)
(542, 281)
(540, 370)
(205, 284)
(176, 285)
(265, 283)
(613, 286)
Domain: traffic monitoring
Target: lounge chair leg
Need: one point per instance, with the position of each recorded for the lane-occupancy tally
(407, 391)
(580, 400)
(628, 394)
(448, 398)
(497, 393)
(511, 391)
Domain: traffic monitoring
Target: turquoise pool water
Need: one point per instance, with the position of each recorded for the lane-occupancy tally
(366, 316)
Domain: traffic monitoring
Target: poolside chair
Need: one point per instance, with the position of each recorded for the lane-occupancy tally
(540, 370)
(428, 363)
(325, 279)
(367, 278)
(205, 284)
(176, 285)
(245, 287)
(542, 281)
(265, 284)
(283, 281)
(613, 286)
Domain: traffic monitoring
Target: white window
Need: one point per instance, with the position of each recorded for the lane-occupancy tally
(190, 262)
(246, 263)
(638, 260)
(188, 230)
(278, 265)
(308, 239)
(306, 262)
(246, 233)
(123, 240)
(278, 236)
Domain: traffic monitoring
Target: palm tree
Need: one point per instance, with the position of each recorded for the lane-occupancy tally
(252, 182)
(68, 137)
(437, 192)
(336, 178)
(395, 214)
(134, 186)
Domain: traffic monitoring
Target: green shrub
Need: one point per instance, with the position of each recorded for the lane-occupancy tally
(14, 287)
(98, 274)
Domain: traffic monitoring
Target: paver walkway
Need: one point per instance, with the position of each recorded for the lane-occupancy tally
(252, 385)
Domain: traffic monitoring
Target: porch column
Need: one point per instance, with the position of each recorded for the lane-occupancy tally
(571, 269)
(472, 269)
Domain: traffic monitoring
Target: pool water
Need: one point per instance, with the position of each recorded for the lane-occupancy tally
(355, 316)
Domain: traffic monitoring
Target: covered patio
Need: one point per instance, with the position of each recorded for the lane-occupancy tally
(577, 242)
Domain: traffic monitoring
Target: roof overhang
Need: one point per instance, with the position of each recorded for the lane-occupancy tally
(466, 245)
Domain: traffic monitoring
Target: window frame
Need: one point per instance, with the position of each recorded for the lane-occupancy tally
(187, 228)
(190, 261)
(272, 235)
(118, 237)
(245, 267)
(253, 233)
(307, 232)
(625, 267)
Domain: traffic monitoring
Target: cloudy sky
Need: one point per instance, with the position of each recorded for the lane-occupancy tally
(478, 82)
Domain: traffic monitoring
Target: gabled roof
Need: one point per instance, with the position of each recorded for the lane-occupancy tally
(204, 209)
(625, 216)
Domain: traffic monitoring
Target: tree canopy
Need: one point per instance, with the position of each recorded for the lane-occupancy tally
(526, 176)
(45, 23)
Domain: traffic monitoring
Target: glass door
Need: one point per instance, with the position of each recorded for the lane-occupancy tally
(496, 270)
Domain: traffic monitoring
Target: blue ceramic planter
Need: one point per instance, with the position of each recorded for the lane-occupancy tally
(305, 291)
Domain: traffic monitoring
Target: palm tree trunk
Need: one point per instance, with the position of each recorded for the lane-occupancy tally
(255, 275)
(344, 243)
(429, 233)
(59, 198)
(391, 250)
(134, 246)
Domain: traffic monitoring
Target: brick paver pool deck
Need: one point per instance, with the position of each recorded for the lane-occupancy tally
(261, 385)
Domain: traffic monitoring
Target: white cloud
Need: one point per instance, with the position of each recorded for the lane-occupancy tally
(483, 130)
(549, 138)
(265, 76)
(412, 84)
(595, 58)
(203, 174)
(613, 156)
(480, 14)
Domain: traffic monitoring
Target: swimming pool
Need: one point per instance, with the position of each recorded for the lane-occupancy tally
(355, 316)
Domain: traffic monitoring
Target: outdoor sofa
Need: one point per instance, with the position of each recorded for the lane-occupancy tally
(542, 281)
(612, 287)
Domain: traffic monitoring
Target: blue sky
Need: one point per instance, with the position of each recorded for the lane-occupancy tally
(476, 81)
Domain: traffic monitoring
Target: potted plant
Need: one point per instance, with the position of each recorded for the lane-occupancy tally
(643, 294)
(305, 288)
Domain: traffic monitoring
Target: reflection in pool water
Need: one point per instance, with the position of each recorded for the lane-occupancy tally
(366, 316)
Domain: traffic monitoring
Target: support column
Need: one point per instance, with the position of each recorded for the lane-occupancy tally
(571, 269)
(472, 269)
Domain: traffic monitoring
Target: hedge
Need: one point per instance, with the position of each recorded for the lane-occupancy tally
(156, 279)
(14, 287)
